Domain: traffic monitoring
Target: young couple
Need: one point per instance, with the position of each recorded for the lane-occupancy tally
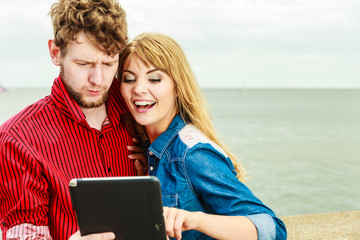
(82, 130)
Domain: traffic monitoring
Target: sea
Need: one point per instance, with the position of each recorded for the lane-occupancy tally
(300, 147)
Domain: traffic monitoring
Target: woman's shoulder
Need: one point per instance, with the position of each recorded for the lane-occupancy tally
(193, 138)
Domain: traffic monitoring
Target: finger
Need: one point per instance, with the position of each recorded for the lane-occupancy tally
(101, 236)
(75, 236)
(178, 223)
(141, 158)
(135, 140)
(139, 168)
(134, 148)
(134, 156)
(165, 212)
(169, 221)
(95, 236)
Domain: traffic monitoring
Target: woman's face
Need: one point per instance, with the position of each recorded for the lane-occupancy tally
(150, 95)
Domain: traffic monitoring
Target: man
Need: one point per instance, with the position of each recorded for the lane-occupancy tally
(76, 131)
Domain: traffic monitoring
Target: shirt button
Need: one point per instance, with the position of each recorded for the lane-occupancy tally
(151, 153)
(151, 168)
(4, 224)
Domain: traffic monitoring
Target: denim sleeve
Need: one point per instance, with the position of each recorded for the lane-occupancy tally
(264, 224)
(212, 177)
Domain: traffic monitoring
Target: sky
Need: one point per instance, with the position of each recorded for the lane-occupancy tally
(229, 43)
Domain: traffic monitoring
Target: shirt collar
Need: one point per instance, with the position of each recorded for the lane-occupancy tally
(159, 146)
(115, 106)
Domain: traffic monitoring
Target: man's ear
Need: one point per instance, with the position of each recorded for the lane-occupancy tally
(54, 52)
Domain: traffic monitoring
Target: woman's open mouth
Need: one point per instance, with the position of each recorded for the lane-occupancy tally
(144, 105)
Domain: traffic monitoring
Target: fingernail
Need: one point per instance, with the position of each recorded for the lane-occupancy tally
(110, 235)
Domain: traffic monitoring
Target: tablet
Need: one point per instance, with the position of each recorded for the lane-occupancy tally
(131, 207)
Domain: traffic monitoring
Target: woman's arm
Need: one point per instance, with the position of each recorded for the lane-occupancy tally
(211, 176)
(215, 226)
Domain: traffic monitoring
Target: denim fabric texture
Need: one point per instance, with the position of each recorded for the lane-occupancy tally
(197, 175)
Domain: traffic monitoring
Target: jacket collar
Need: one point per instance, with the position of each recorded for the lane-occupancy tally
(159, 146)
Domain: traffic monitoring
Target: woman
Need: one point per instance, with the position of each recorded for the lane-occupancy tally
(201, 186)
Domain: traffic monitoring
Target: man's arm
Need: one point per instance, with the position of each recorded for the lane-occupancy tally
(23, 191)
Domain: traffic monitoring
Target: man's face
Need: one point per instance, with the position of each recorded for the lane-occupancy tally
(87, 72)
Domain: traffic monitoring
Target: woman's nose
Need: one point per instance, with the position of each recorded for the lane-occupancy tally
(140, 87)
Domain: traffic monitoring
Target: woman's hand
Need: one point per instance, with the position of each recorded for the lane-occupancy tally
(95, 236)
(215, 226)
(178, 220)
(140, 160)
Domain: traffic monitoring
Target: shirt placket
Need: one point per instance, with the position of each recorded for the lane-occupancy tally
(104, 150)
(151, 161)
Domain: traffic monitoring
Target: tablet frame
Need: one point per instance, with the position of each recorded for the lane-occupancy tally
(131, 207)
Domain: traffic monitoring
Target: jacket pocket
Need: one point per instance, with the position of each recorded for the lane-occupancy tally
(170, 200)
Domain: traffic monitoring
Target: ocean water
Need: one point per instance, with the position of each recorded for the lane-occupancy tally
(301, 148)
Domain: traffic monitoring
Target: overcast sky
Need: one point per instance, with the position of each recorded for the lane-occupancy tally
(229, 43)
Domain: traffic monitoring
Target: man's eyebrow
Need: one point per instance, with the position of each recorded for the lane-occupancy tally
(82, 60)
(111, 61)
(87, 61)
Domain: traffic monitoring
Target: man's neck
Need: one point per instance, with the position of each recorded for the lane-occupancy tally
(95, 116)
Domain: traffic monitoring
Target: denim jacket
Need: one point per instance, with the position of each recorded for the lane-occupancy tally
(197, 175)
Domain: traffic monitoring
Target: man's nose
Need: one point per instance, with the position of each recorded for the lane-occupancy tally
(96, 75)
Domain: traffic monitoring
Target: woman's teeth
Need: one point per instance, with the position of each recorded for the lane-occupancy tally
(144, 104)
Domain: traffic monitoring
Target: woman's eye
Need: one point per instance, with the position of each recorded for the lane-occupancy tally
(128, 80)
(154, 79)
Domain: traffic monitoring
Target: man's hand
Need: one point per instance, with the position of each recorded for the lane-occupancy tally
(95, 236)
(140, 161)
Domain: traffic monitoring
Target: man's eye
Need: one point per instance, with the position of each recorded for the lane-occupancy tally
(84, 64)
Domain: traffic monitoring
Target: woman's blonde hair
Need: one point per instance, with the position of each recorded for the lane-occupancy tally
(165, 54)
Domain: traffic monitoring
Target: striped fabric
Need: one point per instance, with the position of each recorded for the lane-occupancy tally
(46, 145)
(26, 231)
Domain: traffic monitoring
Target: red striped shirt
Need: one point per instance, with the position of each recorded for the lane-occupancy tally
(46, 145)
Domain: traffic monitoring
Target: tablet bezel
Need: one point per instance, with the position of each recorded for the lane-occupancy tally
(131, 207)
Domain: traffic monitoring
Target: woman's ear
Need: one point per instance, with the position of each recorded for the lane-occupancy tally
(54, 52)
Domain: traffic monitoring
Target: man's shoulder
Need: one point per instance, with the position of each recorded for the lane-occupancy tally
(27, 115)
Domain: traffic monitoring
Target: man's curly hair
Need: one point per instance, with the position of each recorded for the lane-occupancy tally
(102, 21)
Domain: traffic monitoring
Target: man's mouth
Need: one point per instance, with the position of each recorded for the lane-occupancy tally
(94, 92)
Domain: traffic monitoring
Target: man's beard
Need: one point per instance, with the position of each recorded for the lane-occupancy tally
(79, 98)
